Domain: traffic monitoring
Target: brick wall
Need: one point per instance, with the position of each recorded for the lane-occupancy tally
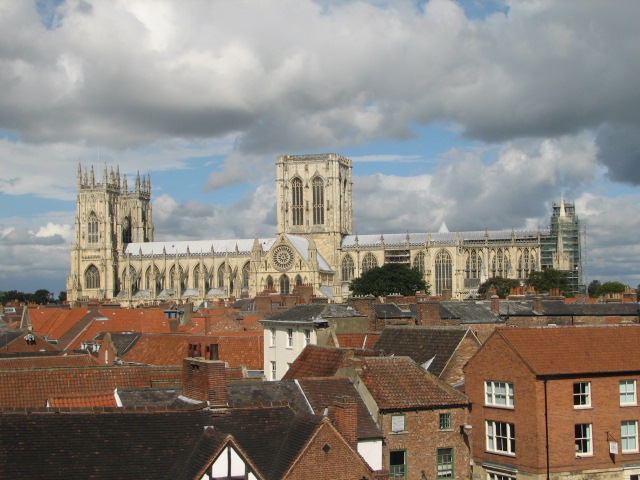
(453, 373)
(205, 381)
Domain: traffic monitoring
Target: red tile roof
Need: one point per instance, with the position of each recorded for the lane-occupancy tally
(576, 349)
(85, 360)
(235, 348)
(357, 340)
(100, 399)
(399, 383)
(316, 361)
(32, 388)
(55, 322)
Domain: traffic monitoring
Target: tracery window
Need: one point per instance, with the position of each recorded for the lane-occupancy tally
(297, 201)
(418, 262)
(126, 230)
(269, 282)
(196, 277)
(318, 201)
(158, 279)
(369, 262)
(525, 264)
(92, 228)
(92, 277)
(222, 270)
(180, 280)
(245, 276)
(298, 280)
(474, 265)
(133, 280)
(443, 272)
(284, 284)
(500, 264)
(347, 268)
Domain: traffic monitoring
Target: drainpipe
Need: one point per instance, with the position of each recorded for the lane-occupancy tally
(546, 425)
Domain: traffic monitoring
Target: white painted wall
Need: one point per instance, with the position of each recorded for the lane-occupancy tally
(280, 352)
(371, 451)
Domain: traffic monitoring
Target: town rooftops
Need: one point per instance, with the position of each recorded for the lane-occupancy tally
(575, 350)
(317, 361)
(399, 383)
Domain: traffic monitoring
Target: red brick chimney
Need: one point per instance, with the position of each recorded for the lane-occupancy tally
(263, 303)
(305, 292)
(204, 381)
(495, 304)
(537, 304)
(344, 415)
(428, 313)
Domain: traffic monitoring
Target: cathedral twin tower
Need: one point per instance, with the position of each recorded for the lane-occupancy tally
(114, 255)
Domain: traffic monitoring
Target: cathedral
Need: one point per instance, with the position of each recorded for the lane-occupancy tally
(115, 257)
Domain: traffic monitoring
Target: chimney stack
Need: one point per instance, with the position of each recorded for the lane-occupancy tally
(428, 313)
(495, 304)
(537, 304)
(204, 381)
(344, 415)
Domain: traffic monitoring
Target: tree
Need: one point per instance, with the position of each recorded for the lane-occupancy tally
(502, 285)
(610, 287)
(389, 279)
(550, 278)
(62, 296)
(593, 288)
(41, 296)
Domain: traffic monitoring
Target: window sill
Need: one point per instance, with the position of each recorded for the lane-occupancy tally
(624, 405)
(401, 432)
(580, 407)
(584, 455)
(630, 452)
(504, 454)
(500, 407)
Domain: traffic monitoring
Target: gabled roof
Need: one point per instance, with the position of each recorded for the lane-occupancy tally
(468, 312)
(55, 322)
(423, 344)
(48, 361)
(390, 310)
(260, 394)
(323, 392)
(313, 312)
(317, 361)
(357, 340)
(576, 350)
(398, 383)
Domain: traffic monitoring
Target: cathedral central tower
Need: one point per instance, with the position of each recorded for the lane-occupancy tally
(314, 200)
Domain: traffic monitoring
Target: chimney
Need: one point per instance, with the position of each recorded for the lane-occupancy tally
(173, 325)
(263, 303)
(207, 324)
(495, 304)
(344, 415)
(304, 291)
(537, 304)
(204, 381)
(428, 313)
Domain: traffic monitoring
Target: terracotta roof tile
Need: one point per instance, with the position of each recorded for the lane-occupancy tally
(84, 360)
(55, 322)
(576, 349)
(357, 340)
(399, 383)
(100, 399)
(316, 361)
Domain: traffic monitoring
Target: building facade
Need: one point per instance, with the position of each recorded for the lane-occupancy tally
(114, 255)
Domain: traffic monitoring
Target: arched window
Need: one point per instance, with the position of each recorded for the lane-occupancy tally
(369, 262)
(222, 270)
(269, 282)
(126, 230)
(525, 264)
(158, 279)
(443, 272)
(500, 264)
(347, 268)
(298, 280)
(92, 229)
(474, 265)
(318, 201)
(245, 276)
(180, 283)
(133, 278)
(196, 277)
(92, 277)
(297, 206)
(418, 262)
(284, 284)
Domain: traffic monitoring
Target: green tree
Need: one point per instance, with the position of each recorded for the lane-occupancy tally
(388, 279)
(547, 279)
(62, 296)
(41, 296)
(610, 287)
(502, 285)
(593, 288)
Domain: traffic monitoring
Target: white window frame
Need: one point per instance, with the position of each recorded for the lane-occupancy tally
(398, 423)
(273, 370)
(289, 337)
(307, 337)
(629, 436)
(584, 436)
(500, 432)
(582, 398)
(499, 394)
(625, 392)
(491, 475)
(273, 337)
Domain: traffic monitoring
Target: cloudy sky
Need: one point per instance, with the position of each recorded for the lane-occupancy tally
(479, 112)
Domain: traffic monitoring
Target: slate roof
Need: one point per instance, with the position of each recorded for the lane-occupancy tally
(314, 312)
(259, 393)
(32, 387)
(558, 308)
(390, 310)
(468, 312)
(398, 383)
(148, 397)
(422, 344)
(317, 361)
(323, 392)
(576, 350)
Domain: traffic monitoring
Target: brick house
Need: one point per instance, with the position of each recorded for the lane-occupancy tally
(422, 418)
(556, 402)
